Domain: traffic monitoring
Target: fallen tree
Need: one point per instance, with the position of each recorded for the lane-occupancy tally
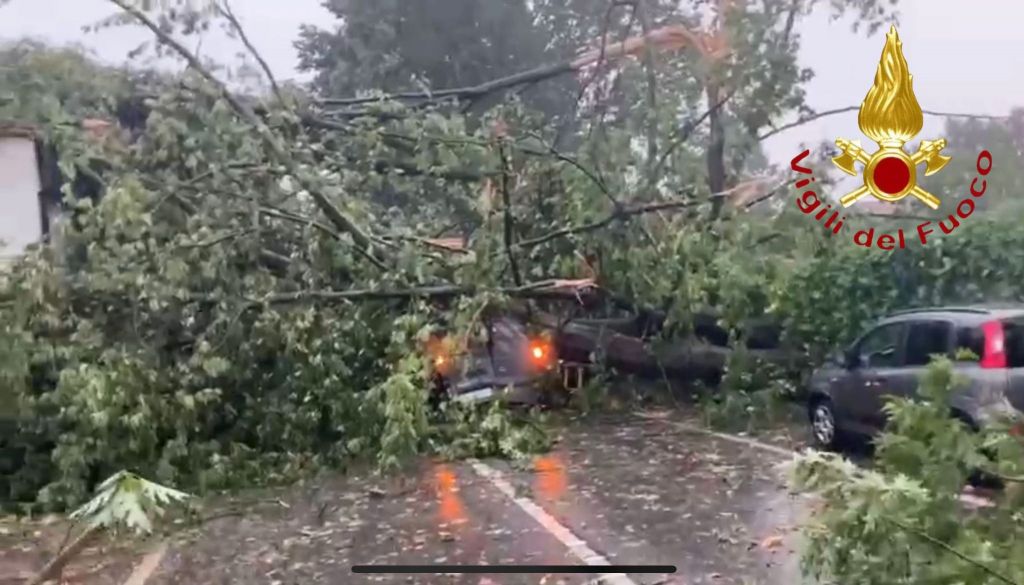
(244, 303)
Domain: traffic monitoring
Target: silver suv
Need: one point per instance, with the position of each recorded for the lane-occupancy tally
(847, 394)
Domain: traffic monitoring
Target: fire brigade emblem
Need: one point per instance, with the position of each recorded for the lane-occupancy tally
(891, 116)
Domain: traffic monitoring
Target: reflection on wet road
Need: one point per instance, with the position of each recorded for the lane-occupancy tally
(450, 508)
(550, 476)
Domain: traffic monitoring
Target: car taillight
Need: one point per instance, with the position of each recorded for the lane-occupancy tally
(541, 353)
(440, 351)
(995, 345)
(442, 364)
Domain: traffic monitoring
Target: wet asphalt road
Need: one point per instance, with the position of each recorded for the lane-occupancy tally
(650, 493)
(632, 490)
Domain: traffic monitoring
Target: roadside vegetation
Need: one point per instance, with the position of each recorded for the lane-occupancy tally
(751, 396)
(250, 298)
(902, 520)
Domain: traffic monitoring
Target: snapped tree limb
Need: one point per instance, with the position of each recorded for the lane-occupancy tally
(53, 568)
(616, 215)
(953, 551)
(817, 115)
(666, 38)
(538, 289)
(688, 129)
(226, 12)
(508, 221)
(305, 179)
(652, 91)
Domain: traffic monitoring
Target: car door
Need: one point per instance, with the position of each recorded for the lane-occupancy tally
(924, 338)
(875, 357)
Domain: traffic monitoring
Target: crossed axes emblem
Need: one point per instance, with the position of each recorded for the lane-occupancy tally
(890, 174)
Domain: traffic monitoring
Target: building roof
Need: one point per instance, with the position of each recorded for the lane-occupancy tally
(12, 129)
(94, 127)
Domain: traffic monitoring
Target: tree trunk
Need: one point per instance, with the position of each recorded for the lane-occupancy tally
(716, 150)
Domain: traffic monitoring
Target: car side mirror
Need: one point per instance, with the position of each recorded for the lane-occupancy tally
(844, 359)
(852, 360)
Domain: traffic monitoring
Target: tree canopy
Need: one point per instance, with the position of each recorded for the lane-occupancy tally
(1004, 139)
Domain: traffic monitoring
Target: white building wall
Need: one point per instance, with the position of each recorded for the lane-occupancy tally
(19, 196)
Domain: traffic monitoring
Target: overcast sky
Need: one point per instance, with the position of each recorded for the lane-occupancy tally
(965, 56)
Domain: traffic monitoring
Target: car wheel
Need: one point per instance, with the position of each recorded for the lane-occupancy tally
(823, 425)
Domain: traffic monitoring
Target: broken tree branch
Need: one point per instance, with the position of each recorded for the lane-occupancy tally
(294, 218)
(946, 547)
(616, 215)
(598, 66)
(229, 14)
(539, 289)
(805, 119)
(626, 212)
(689, 128)
(506, 201)
(572, 161)
(664, 38)
(652, 90)
(715, 156)
(55, 565)
(338, 218)
(818, 115)
(219, 239)
(429, 242)
(537, 74)
(765, 197)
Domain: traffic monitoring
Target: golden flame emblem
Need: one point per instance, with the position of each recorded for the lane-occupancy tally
(891, 116)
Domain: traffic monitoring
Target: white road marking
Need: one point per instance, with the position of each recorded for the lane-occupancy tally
(781, 451)
(575, 544)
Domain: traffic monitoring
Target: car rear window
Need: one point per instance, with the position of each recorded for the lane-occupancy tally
(925, 339)
(1014, 334)
(971, 338)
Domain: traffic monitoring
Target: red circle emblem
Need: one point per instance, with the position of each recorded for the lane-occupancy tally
(891, 175)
